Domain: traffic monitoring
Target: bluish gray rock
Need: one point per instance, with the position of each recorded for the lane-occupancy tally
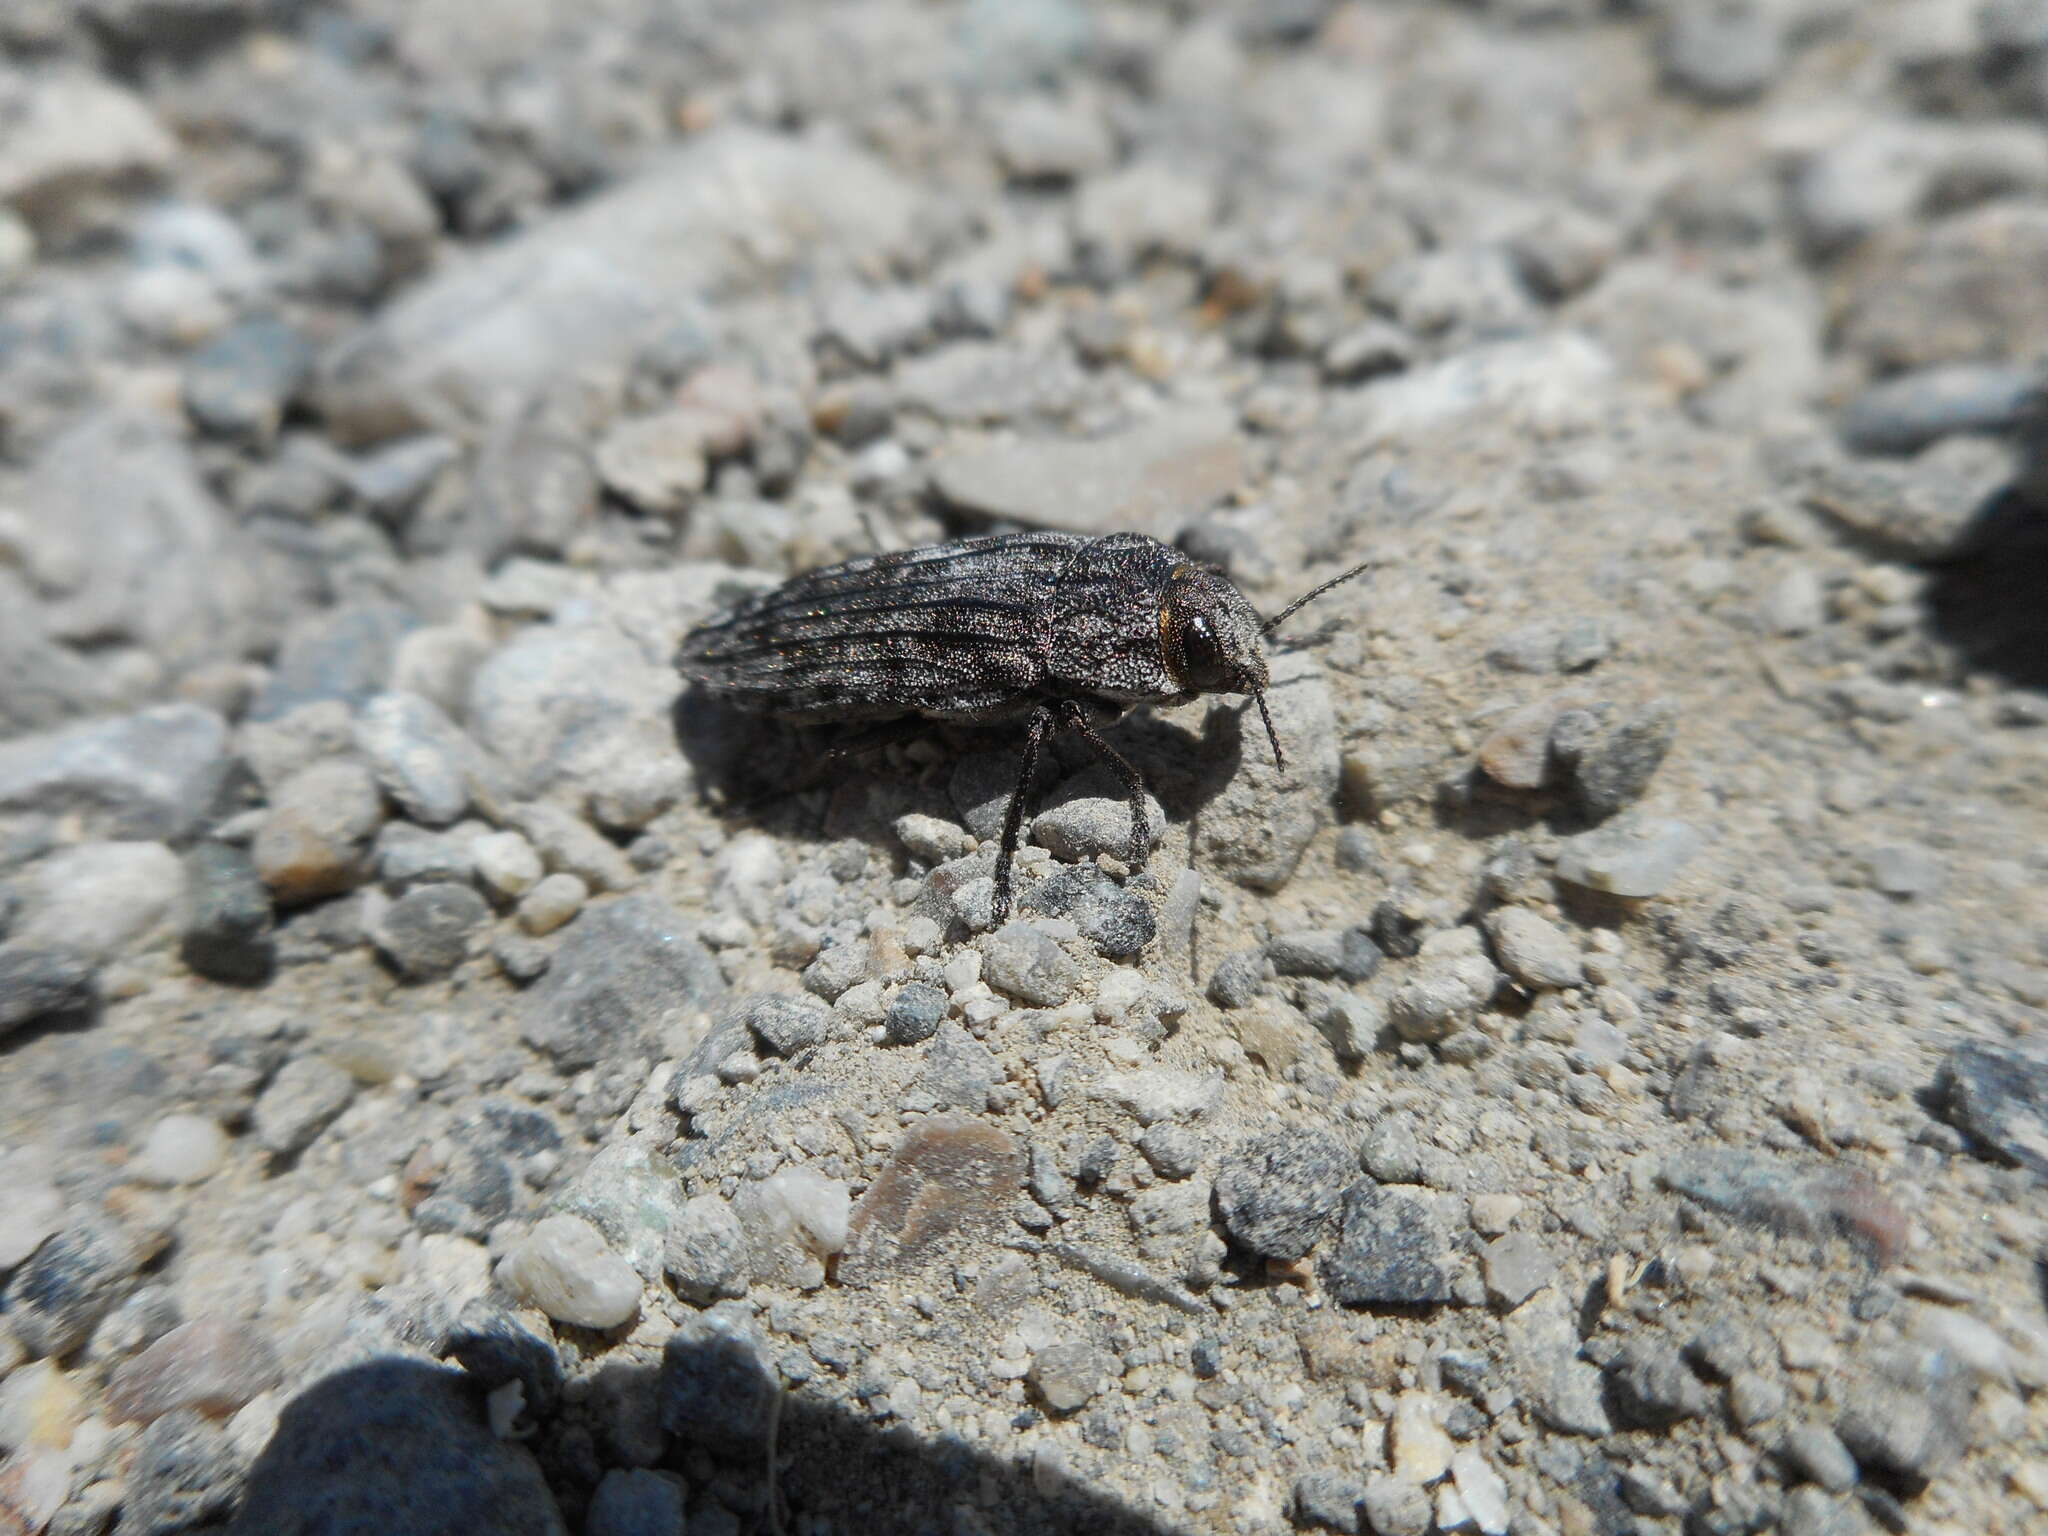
(621, 971)
(155, 774)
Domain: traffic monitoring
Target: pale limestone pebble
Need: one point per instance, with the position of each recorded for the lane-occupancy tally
(418, 754)
(1421, 1450)
(933, 839)
(41, 1407)
(1484, 1491)
(181, 1149)
(551, 903)
(569, 845)
(456, 1269)
(32, 1210)
(565, 1267)
(506, 864)
(794, 1221)
(1159, 1093)
(276, 749)
(35, 1485)
(101, 898)
(1534, 950)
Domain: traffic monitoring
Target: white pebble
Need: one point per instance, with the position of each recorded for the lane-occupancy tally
(565, 1267)
(31, 1212)
(506, 863)
(181, 1149)
(552, 903)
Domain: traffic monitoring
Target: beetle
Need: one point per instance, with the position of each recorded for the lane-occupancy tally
(1065, 631)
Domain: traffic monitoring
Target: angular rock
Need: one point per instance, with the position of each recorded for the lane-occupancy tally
(1152, 478)
(1026, 962)
(419, 755)
(209, 1364)
(1635, 857)
(301, 1102)
(565, 1267)
(717, 1388)
(155, 774)
(622, 972)
(227, 931)
(1608, 762)
(1999, 1098)
(315, 839)
(426, 932)
(66, 134)
(43, 982)
(1257, 829)
(706, 1256)
(728, 210)
(1563, 1389)
(241, 383)
(1390, 1252)
(1278, 1192)
(950, 1181)
(99, 898)
(345, 653)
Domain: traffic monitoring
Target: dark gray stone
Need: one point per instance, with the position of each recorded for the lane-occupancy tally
(40, 982)
(426, 932)
(340, 653)
(393, 1447)
(1999, 1099)
(1390, 1252)
(1238, 978)
(229, 924)
(1307, 952)
(1174, 1150)
(1118, 922)
(1649, 1387)
(1328, 1501)
(63, 1289)
(1278, 1192)
(717, 1388)
(494, 1347)
(959, 1070)
(1609, 762)
(184, 1474)
(1906, 413)
(620, 970)
(785, 1023)
(915, 1013)
(241, 383)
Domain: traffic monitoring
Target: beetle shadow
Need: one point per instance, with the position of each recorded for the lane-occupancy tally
(395, 1442)
(761, 770)
(1987, 600)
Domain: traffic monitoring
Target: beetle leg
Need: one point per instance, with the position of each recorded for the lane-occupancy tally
(1075, 718)
(1041, 724)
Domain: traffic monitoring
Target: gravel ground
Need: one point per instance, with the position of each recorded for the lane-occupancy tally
(1599, 1086)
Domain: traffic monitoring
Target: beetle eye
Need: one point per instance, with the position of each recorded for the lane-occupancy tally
(1201, 657)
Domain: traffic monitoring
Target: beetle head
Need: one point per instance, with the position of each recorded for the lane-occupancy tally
(1213, 638)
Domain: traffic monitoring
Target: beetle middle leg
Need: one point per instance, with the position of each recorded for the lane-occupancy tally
(1041, 725)
(1075, 718)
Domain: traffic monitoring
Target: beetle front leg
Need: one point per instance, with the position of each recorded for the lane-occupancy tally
(1075, 718)
(1040, 726)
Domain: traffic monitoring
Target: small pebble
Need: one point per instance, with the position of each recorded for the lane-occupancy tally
(565, 1267)
(506, 864)
(552, 903)
(181, 1149)
(301, 1101)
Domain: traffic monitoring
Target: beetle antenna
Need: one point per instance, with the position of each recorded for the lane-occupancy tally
(1279, 757)
(1308, 597)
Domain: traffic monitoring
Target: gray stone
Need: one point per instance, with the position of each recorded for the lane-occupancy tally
(1173, 1150)
(1238, 978)
(706, 1252)
(1636, 857)
(1391, 1252)
(1115, 919)
(426, 933)
(1609, 762)
(228, 927)
(1724, 51)
(240, 384)
(728, 210)
(1563, 1389)
(959, 1071)
(1927, 508)
(62, 1290)
(1397, 1506)
(1068, 1375)
(1392, 1154)
(1147, 208)
(344, 654)
(915, 1013)
(1907, 413)
(418, 754)
(71, 135)
(1534, 950)
(1949, 289)
(1278, 1192)
(1907, 1420)
(560, 699)
(1089, 816)
(1328, 1501)
(636, 1502)
(717, 1389)
(1651, 1388)
(301, 1102)
(1151, 478)
(183, 1474)
(1516, 1266)
(785, 1023)
(622, 972)
(155, 774)
(1257, 829)
(43, 982)
(1785, 1195)
(569, 845)
(1816, 1452)
(100, 898)
(1307, 952)
(1998, 1098)
(1027, 963)
(393, 1445)
(1452, 979)
(407, 856)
